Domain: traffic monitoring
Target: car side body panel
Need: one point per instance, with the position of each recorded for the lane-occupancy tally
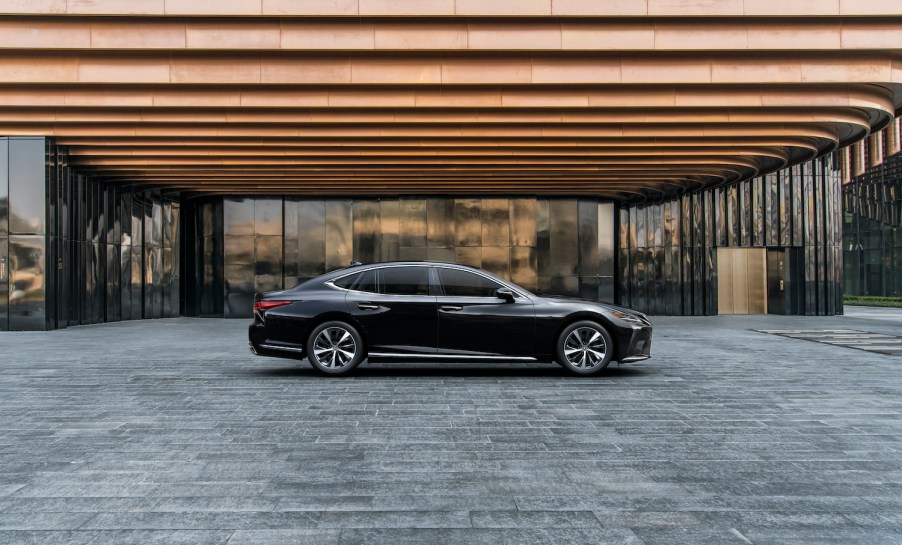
(438, 326)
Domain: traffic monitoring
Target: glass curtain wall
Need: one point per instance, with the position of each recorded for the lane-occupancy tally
(563, 246)
(76, 251)
(667, 254)
(872, 231)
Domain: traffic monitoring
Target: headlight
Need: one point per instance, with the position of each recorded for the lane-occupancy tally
(631, 318)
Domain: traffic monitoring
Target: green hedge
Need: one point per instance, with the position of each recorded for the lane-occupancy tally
(871, 301)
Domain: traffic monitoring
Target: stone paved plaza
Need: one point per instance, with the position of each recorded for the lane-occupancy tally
(170, 432)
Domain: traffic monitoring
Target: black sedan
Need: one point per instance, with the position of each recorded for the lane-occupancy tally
(440, 311)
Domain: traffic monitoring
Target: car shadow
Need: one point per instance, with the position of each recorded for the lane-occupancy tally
(446, 370)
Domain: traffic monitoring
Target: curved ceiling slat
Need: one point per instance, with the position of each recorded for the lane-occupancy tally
(616, 99)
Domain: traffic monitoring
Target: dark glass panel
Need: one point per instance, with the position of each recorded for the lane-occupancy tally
(606, 240)
(686, 280)
(496, 260)
(268, 217)
(238, 285)
(785, 208)
(523, 266)
(238, 216)
(125, 282)
(523, 222)
(415, 253)
(745, 213)
(467, 222)
(125, 206)
(641, 232)
(543, 237)
(668, 280)
(588, 287)
(27, 188)
(26, 281)
(434, 253)
(606, 289)
(656, 225)
(559, 285)
(4, 187)
(564, 250)
(439, 223)
(495, 222)
(290, 243)
(413, 222)
(339, 234)
(720, 220)
(588, 241)
(366, 242)
(390, 229)
(268, 263)
(758, 211)
(468, 255)
(733, 216)
(633, 227)
(113, 301)
(311, 238)
(801, 187)
(4, 283)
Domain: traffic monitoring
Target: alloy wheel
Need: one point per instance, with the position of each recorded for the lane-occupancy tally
(334, 347)
(585, 348)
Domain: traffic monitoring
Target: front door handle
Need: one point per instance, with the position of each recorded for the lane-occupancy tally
(451, 307)
(367, 306)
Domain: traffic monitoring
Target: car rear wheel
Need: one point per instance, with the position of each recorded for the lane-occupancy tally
(335, 348)
(584, 348)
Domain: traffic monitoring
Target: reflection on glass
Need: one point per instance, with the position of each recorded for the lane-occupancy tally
(26, 283)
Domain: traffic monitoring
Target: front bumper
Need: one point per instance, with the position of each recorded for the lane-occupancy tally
(639, 346)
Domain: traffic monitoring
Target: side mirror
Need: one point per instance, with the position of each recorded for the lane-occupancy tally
(505, 293)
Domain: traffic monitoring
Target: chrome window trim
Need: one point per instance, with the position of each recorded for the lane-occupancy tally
(285, 348)
(464, 268)
(479, 273)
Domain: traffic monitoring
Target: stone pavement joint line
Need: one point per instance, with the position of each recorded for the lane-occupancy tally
(170, 432)
(871, 342)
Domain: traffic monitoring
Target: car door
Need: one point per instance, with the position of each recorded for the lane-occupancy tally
(473, 321)
(397, 310)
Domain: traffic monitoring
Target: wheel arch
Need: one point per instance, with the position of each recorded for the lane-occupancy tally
(338, 316)
(582, 316)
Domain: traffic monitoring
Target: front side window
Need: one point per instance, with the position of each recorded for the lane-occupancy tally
(458, 283)
(404, 281)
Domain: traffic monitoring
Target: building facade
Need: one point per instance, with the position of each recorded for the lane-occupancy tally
(172, 158)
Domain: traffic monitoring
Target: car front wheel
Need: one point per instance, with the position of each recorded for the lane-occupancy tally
(335, 348)
(584, 348)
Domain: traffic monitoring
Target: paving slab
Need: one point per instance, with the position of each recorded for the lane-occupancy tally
(169, 431)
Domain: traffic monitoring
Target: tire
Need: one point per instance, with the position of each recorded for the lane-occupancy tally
(584, 348)
(335, 348)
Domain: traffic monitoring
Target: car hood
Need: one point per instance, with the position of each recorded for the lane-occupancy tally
(561, 299)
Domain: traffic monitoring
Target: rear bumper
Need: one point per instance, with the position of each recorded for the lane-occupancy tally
(261, 346)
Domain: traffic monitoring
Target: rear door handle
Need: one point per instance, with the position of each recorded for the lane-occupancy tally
(451, 307)
(367, 306)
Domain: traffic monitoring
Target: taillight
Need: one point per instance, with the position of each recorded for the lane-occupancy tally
(268, 305)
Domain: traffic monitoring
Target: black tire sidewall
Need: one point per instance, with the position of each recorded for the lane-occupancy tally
(609, 348)
(358, 339)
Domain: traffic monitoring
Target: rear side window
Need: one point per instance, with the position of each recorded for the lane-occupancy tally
(457, 283)
(405, 281)
(362, 281)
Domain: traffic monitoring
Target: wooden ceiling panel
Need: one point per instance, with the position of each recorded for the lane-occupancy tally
(367, 97)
